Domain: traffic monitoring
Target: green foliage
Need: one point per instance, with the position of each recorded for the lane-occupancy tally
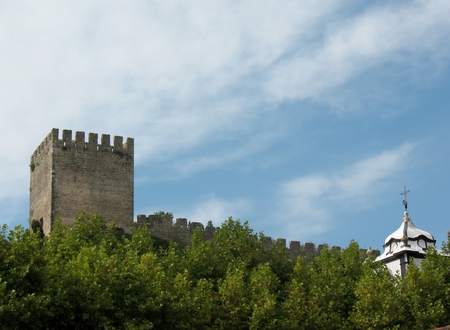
(279, 262)
(263, 288)
(163, 213)
(295, 308)
(202, 261)
(235, 242)
(36, 227)
(92, 275)
(424, 293)
(233, 301)
(321, 294)
(378, 305)
(22, 279)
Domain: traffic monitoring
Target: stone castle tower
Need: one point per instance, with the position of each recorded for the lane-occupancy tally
(68, 176)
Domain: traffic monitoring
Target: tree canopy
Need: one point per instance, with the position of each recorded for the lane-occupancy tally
(90, 276)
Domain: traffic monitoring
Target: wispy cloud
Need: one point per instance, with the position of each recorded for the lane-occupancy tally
(177, 76)
(310, 202)
(250, 145)
(387, 34)
(216, 209)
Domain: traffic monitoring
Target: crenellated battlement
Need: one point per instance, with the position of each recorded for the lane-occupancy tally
(44, 146)
(308, 249)
(66, 142)
(162, 226)
(180, 231)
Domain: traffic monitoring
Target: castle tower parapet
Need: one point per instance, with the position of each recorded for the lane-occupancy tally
(209, 231)
(281, 241)
(320, 247)
(195, 225)
(294, 249)
(267, 243)
(181, 223)
(66, 142)
(310, 248)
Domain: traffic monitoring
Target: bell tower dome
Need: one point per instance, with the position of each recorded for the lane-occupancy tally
(407, 243)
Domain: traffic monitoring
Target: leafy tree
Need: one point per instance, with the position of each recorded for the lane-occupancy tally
(263, 288)
(423, 292)
(22, 279)
(92, 275)
(235, 242)
(380, 304)
(97, 278)
(202, 261)
(234, 308)
(295, 308)
(280, 263)
(332, 288)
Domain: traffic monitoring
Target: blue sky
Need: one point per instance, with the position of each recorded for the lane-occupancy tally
(304, 118)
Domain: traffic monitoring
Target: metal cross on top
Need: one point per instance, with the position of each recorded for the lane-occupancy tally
(405, 202)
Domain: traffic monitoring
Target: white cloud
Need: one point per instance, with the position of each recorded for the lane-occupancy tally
(363, 177)
(249, 146)
(309, 202)
(380, 35)
(217, 210)
(174, 73)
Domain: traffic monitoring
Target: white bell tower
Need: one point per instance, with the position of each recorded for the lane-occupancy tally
(407, 243)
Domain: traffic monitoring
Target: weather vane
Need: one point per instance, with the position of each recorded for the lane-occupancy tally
(405, 202)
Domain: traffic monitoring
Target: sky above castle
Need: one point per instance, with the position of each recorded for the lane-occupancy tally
(305, 118)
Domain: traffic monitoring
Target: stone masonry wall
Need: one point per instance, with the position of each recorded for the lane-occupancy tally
(162, 226)
(78, 175)
(41, 184)
(180, 231)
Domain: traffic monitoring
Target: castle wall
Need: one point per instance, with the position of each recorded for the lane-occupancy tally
(41, 184)
(84, 176)
(162, 226)
(71, 175)
(180, 232)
